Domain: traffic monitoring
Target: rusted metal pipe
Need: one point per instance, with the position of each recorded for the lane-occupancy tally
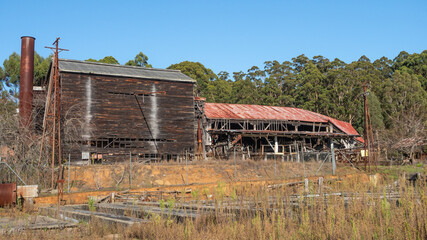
(26, 81)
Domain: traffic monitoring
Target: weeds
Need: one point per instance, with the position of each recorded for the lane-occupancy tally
(162, 205)
(195, 194)
(353, 210)
(91, 204)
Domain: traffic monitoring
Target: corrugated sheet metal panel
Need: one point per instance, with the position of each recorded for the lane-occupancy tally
(344, 126)
(28, 191)
(75, 66)
(341, 125)
(7, 194)
(259, 112)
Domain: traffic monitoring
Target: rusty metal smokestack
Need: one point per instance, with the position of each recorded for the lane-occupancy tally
(26, 81)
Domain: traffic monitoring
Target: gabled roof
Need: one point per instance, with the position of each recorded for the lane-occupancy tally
(75, 66)
(260, 112)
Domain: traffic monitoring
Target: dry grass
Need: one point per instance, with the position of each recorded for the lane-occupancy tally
(364, 217)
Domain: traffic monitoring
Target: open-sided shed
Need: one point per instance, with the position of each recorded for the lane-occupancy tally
(260, 130)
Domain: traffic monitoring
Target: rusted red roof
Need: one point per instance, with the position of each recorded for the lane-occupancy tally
(259, 112)
(253, 112)
(343, 126)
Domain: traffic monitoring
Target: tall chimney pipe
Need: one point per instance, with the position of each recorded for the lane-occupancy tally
(26, 80)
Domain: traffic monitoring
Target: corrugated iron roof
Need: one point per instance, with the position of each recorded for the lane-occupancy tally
(260, 112)
(343, 126)
(66, 65)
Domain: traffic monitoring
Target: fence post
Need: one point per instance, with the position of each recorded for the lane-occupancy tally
(296, 151)
(320, 184)
(275, 174)
(333, 158)
(306, 185)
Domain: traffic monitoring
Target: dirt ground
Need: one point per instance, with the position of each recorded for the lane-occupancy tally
(120, 176)
(102, 180)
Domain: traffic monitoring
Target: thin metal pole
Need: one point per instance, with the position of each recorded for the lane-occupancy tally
(13, 171)
(303, 161)
(186, 168)
(68, 173)
(235, 163)
(130, 169)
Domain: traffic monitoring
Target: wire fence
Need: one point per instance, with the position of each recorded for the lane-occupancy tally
(133, 173)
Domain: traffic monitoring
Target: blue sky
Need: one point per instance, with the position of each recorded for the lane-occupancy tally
(223, 35)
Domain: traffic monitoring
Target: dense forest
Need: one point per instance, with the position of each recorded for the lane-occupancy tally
(397, 88)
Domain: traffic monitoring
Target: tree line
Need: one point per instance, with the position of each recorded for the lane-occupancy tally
(397, 88)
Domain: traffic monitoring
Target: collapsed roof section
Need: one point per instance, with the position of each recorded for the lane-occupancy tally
(269, 113)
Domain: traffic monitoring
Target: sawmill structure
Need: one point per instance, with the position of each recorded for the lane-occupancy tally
(114, 111)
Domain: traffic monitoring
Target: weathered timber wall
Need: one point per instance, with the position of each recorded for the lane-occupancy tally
(112, 122)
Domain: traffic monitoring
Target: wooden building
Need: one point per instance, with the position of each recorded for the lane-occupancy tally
(111, 111)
